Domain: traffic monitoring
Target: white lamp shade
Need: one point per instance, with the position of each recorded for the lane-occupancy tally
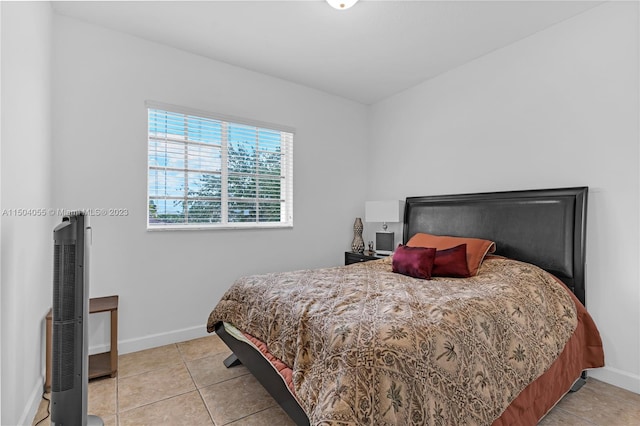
(384, 211)
(342, 4)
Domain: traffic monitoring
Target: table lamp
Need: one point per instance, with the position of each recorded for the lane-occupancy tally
(384, 211)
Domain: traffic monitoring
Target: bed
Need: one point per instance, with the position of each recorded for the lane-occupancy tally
(361, 344)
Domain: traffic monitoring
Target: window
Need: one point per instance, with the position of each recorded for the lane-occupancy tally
(208, 171)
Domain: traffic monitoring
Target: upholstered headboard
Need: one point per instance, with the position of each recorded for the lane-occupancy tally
(544, 227)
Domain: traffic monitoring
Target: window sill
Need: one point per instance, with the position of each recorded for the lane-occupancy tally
(217, 227)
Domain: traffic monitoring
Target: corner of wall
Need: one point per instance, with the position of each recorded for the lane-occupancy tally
(25, 76)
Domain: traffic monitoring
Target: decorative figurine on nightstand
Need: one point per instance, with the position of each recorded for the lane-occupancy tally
(370, 246)
(357, 245)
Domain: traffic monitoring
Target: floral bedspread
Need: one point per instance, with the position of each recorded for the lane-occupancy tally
(368, 346)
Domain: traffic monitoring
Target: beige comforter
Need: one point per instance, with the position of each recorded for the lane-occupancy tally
(368, 346)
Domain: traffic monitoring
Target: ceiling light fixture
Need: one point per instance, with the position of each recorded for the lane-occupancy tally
(342, 4)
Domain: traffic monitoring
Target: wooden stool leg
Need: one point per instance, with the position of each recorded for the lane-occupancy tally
(48, 354)
(114, 342)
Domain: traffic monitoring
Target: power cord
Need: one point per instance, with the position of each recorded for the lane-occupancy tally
(44, 396)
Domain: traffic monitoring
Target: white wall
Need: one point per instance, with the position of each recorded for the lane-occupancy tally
(1, 357)
(27, 243)
(168, 282)
(557, 109)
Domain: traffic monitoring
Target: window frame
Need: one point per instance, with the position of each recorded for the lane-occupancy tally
(226, 120)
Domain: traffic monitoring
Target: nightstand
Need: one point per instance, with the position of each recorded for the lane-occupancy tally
(351, 257)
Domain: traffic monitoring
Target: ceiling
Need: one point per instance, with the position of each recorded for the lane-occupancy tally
(367, 53)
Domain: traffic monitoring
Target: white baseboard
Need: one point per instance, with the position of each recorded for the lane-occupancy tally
(619, 378)
(31, 407)
(154, 340)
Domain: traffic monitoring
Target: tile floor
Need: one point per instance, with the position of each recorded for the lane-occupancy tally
(187, 384)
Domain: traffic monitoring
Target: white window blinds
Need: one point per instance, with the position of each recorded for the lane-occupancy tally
(207, 171)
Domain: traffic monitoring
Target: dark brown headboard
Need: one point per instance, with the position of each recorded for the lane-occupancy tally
(544, 227)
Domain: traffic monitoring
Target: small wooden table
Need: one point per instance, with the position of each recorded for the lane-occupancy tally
(100, 365)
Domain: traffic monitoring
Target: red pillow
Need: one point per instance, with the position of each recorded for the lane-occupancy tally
(415, 262)
(451, 263)
(476, 248)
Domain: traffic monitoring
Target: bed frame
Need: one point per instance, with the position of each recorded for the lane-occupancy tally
(543, 227)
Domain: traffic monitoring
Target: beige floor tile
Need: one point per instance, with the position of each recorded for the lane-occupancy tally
(559, 417)
(202, 347)
(146, 388)
(600, 408)
(111, 420)
(147, 360)
(614, 391)
(102, 397)
(270, 416)
(235, 399)
(186, 409)
(210, 370)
